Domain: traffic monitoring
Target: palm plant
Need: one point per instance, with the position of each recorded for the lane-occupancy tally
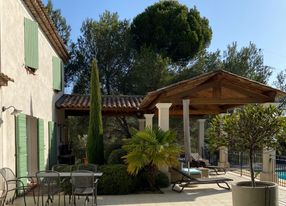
(151, 149)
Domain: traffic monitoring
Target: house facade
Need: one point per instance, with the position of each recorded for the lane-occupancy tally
(31, 62)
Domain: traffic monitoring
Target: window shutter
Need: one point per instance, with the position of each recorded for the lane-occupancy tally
(52, 144)
(41, 145)
(21, 146)
(57, 73)
(31, 44)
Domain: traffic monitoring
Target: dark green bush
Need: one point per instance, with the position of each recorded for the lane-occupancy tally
(142, 184)
(115, 156)
(109, 147)
(115, 180)
(162, 180)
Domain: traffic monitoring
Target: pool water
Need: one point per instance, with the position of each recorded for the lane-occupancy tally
(281, 175)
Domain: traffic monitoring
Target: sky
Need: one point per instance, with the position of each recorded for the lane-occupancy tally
(259, 21)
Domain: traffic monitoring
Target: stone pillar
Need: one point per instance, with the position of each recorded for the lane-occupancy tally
(149, 120)
(163, 123)
(141, 124)
(201, 136)
(163, 115)
(268, 165)
(223, 157)
(187, 136)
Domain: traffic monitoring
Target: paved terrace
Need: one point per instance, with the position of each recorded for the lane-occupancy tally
(200, 195)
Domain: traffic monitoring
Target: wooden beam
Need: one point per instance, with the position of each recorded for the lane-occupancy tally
(180, 93)
(224, 101)
(244, 90)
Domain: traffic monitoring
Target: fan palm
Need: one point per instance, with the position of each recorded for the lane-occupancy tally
(151, 149)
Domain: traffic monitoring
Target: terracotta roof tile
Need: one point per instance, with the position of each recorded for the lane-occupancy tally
(109, 102)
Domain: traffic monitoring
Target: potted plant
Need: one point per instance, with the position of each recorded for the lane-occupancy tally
(151, 149)
(249, 129)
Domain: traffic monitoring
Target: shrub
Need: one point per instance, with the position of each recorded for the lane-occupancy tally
(162, 180)
(115, 156)
(115, 180)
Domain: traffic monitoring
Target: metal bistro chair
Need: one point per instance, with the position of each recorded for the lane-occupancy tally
(17, 185)
(48, 184)
(65, 181)
(3, 190)
(84, 183)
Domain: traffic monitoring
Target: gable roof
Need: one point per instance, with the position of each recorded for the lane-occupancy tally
(39, 12)
(212, 93)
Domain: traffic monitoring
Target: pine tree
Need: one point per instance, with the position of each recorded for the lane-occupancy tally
(95, 151)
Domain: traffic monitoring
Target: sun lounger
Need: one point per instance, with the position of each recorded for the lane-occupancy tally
(205, 163)
(188, 180)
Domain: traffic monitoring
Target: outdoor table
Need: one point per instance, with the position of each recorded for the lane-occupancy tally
(76, 174)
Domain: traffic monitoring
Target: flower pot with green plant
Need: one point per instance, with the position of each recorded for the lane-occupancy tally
(249, 129)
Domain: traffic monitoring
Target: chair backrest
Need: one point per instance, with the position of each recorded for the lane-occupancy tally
(89, 167)
(7, 173)
(82, 179)
(61, 168)
(3, 189)
(48, 178)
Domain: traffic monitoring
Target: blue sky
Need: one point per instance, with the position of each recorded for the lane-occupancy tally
(258, 21)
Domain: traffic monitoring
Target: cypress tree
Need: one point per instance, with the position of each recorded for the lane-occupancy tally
(95, 151)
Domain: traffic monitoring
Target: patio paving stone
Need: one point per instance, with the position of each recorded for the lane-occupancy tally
(201, 195)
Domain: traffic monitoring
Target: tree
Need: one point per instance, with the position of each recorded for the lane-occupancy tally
(280, 82)
(172, 30)
(107, 40)
(59, 22)
(252, 128)
(151, 148)
(247, 62)
(148, 72)
(95, 151)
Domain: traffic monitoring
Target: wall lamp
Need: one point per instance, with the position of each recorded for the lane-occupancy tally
(14, 112)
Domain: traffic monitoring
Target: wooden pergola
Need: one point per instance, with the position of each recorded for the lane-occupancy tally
(211, 93)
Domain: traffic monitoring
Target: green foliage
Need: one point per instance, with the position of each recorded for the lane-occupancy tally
(95, 151)
(172, 30)
(115, 156)
(246, 61)
(59, 22)
(251, 128)
(107, 40)
(115, 180)
(148, 72)
(280, 82)
(151, 149)
(162, 180)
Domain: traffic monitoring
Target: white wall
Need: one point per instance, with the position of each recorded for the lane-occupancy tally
(31, 93)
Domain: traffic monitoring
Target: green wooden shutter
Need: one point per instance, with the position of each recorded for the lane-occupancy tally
(57, 73)
(41, 145)
(21, 146)
(31, 44)
(52, 144)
